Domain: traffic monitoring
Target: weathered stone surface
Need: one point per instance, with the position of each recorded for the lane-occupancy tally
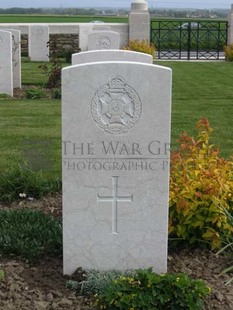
(38, 42)
(6, 70)
(16, 57)
(103, 40)
(116, 133)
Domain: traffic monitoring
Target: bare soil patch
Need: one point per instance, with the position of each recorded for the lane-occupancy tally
(43, 286)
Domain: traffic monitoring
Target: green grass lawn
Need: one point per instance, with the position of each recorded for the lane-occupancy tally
(200, 89)
(25, 120)
(203, 89)
(23, 18)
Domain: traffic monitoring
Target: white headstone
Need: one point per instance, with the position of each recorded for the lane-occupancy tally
(116, 134)
(103, 40)
(38, 38)
(110, 55)
(16, 57)
(84, 31)
(6, 74)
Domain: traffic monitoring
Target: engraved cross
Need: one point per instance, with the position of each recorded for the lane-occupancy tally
(115, 198)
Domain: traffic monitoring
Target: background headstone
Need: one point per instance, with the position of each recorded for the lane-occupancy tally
(38, 42)
(6, 73)
(116, 133)
(103, 40)
(16, 57)
(110, 55)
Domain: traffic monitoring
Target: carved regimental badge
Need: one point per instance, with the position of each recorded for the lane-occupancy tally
(104, 43)
(116, 106)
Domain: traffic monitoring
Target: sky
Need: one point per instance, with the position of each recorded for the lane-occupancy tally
(225, 4)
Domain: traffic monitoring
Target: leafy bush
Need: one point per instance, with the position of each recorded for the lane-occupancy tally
(20, 179)
(142, 46)
(201, 183)
(145, 290)
(228, 50)
(29, 234)
(35, 93)
(53, 72)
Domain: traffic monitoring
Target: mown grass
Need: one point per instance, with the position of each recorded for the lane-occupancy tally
(25, 120)
(203, 89)
(21, 18)
(200, 89)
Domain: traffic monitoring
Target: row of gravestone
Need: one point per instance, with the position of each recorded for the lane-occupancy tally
(116, 116)
(116, 109)
(101, 38)
(10, 52)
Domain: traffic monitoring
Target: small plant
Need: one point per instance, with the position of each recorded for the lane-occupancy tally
(145, 290)
(29, 234)
(141, 46)
(228, 245)
(21, 179)
(228, 50)
(201, 183)
(73, 285)
(67, 54)
(96, 281)
(53, 69)
(35, 93)
(56, 93)
(2, 275)
(4, 96)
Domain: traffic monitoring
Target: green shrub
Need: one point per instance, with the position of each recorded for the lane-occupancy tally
(53, 72)
(228, 50)
(227, 241)
(201, 183)
(145, 290)
(2, 275)
(67, 54)
(56, 93)
(142, 46)
(96, 281)
(21, 180)
(35, 93)
(29, 234)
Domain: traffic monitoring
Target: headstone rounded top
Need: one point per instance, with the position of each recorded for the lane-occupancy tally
(139, 5)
